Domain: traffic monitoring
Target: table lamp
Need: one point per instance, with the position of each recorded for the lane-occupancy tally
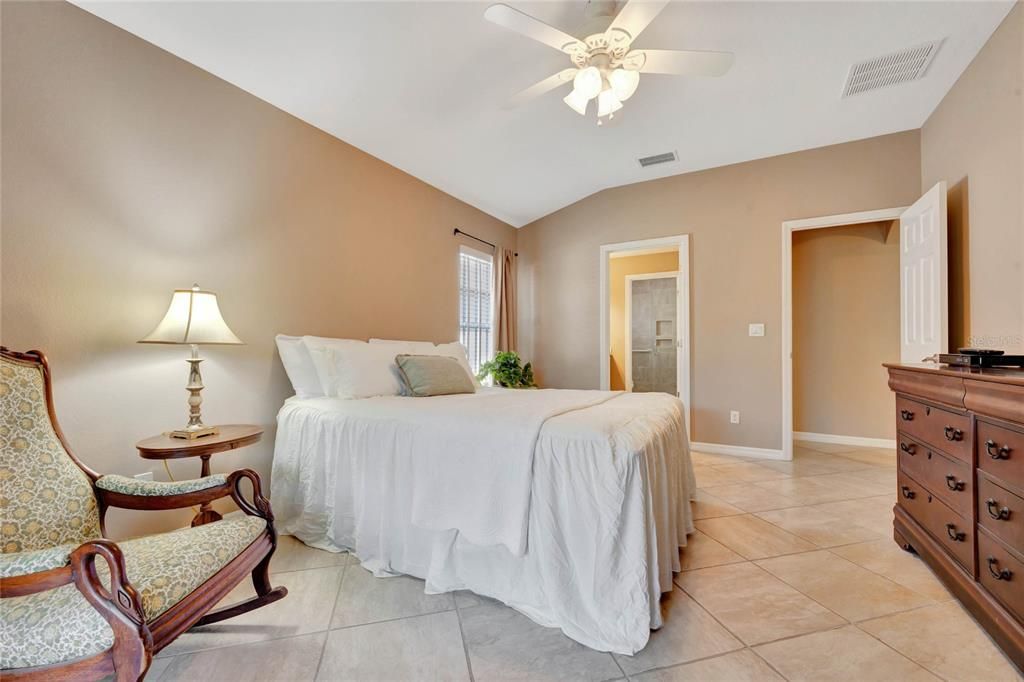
(193, 318)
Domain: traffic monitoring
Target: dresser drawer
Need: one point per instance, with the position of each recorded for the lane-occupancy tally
(1001, 573)
(1001, 512)
(939, 428)
(953, 532)
(945, 477)
(1001, 452)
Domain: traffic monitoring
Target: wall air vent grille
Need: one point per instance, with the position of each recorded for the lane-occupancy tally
(891, 69)
(656, 159)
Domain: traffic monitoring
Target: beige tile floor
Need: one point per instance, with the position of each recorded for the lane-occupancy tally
(792, 574)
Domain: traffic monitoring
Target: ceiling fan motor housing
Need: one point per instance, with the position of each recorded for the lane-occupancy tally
(607, 50)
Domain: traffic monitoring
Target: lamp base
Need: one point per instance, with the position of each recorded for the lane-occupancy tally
(192, 434)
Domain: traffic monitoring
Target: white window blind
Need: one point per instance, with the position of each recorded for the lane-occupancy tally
(475, 303)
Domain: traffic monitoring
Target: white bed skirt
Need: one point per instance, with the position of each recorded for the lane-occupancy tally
(609, 510)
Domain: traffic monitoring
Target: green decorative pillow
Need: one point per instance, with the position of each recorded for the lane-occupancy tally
(427, 375)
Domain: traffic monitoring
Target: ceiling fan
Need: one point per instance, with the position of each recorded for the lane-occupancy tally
(604, 65)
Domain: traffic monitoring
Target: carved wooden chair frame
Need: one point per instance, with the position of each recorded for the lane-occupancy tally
(135, 640)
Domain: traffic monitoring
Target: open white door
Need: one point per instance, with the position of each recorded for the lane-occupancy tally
(924, 308)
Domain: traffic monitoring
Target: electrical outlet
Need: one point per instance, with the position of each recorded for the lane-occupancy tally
(755, 329)
(144, 476)
(734, 417)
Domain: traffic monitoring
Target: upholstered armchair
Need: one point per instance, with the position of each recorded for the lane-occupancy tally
(74, 605)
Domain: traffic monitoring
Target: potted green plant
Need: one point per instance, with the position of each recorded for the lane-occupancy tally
(507, 371)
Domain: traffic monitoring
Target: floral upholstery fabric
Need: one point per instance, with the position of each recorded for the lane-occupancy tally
(166, 567)
(60, 625)
(22, 563)
(133, 486)
(50, 627)
(45, 499)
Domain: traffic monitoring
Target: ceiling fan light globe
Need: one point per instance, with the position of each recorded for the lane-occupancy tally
(624, 83)
(587, 82)
(607, 103)
(577, 102)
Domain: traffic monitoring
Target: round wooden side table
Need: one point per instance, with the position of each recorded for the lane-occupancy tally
(230, 437)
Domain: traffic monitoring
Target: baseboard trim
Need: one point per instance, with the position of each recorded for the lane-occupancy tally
(738, 451)
(844, 440)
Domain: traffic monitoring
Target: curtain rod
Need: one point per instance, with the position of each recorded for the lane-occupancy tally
(457, 232)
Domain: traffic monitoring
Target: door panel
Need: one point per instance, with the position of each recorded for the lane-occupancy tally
(653, 329)
(924, 324)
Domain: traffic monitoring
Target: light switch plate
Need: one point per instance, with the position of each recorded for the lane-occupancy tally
(756, 329)
(734, 417)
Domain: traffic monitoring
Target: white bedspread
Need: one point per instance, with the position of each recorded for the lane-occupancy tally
(568, 506)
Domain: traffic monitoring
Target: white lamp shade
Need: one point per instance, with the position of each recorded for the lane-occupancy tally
(192, 317)
(624, 83)
(587, 82)
(607, 103)
(577, 102)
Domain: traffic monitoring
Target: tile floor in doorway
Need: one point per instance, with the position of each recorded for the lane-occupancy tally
(792, 574)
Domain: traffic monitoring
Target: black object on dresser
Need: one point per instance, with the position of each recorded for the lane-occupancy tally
(960, 497)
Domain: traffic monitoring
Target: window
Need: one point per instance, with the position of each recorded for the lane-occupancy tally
(475, 305)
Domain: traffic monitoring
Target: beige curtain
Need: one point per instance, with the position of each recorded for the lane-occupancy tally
(505, 299)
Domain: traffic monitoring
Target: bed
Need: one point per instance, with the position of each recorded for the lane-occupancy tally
(568, 506)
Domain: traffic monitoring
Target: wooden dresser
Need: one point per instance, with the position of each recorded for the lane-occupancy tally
(960, 497)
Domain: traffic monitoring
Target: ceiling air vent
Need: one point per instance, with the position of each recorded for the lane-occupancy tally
(656, 159)
(891, 69)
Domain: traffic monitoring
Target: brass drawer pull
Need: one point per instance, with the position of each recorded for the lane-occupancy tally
(954, 534)
(907, 492)
(954, 484)
(908, 448)
(994, 453)
(997, 573)
(1001, 514)
(907, 415)
(953, 434)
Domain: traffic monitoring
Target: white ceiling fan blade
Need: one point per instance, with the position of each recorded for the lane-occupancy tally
(524, 24)
(635, 17)
(537, 89)
(680, 62)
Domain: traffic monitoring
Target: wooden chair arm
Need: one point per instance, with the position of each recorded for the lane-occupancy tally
(31, 583)
(260, 505)
(110, 498)
(118, 603)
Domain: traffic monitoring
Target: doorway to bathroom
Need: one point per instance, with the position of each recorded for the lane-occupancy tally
(645, 317)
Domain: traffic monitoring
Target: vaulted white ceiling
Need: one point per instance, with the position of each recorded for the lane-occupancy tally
(421, 84)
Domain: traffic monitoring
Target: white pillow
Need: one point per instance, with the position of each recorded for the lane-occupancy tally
(298, 365)
(354, 369)
(458, 351)
(452, 350)
(409, 347)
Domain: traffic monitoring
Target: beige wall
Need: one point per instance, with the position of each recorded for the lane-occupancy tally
(974, 140)
(846, 322)
(734, 215)
(618, 270)
(128, 172)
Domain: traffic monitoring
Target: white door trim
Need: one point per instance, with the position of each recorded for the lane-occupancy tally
(629, 315)
(682, 245)
(788, 228)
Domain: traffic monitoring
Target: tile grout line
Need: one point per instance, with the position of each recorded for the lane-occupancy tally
(330, 621)
(806, 596)
(462, 636)
(885, 577)
(894, 649)
(768, 663)
(795, 506)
